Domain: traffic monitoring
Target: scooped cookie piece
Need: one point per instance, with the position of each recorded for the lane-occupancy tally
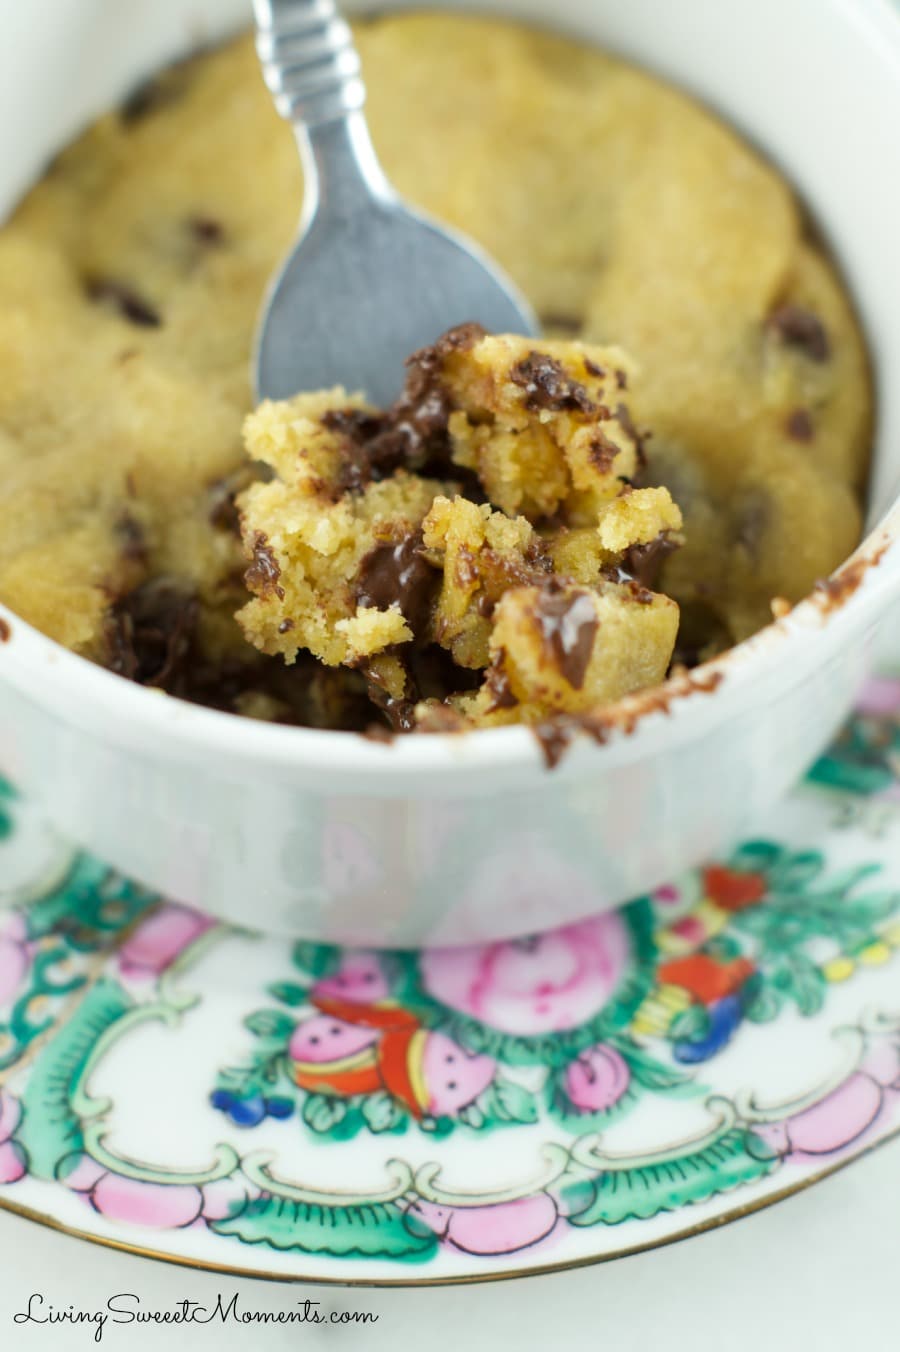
(561, 648)
(357, 555)
(333, 549)
(544, 426)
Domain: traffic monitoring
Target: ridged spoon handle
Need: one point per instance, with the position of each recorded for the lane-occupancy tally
(309, 60)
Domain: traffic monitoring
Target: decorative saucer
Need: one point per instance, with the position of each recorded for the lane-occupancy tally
(221, 1098)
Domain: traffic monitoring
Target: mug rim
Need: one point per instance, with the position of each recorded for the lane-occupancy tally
(123, 713)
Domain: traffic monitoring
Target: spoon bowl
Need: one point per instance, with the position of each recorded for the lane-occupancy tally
(369, 280)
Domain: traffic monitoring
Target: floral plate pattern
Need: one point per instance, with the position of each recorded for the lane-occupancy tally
(223, 1098)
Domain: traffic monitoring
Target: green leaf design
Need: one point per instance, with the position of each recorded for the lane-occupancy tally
(650, 1073)
(382, 1113)
(50, 1129)
(322, 1112)
(272, 1024)
(691, 1025)
(315, 960)
(808, 986)
(289, 993)
(638, 1194)
(376, 1230)
(509, 1102)
(473, 1115)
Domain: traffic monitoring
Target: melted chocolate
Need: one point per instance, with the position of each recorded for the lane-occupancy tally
(548, 386)
(398, 573)
(642, 563)
(800, 328)
(125, 301)
(5, 631)
(150, 635)
(498, 685)
(412, 434)
(568, 624)
(262, 577)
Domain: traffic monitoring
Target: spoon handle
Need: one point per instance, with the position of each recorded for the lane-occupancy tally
(309, 61)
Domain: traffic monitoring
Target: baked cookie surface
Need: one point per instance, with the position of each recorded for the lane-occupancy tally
(130, 284)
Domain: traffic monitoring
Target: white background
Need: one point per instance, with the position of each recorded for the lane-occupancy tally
(816, 1273)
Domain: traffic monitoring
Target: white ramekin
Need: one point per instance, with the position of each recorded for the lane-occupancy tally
(456, 839)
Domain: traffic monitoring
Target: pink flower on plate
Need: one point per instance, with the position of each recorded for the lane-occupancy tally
(845, 1115)
(597, 1079)
(453, 1079)
(160, 1206)
(359, 978)
(158, 940)
(14, 956)
(12, 1155)
(547, 983)
(322, 1039)
(489, 1231)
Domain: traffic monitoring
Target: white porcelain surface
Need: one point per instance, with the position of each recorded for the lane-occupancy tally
(459, 839)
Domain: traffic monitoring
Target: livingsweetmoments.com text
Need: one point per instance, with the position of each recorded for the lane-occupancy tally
(126, 1309)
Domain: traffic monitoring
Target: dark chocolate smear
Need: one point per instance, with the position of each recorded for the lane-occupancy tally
(5, 631)
(800, 328)
(548, 386)
(568, 624)
(125, 301)
(398, 573)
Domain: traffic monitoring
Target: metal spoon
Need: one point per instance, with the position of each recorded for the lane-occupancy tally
(370, 280)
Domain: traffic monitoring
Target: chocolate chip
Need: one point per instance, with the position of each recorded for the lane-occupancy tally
(603, 452)
(568, 624)
(499, 688)
(642, 563)
(800, 426)
(286, 626)
(132, 539)
(753, 516)
(223, 512)
(121, 298)
(622, 379)
(156, 92)
(570, 325)
(548, 386)
(800, 328)
(397, 573)
(206, 230)
(263, 573)
(593, 369)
